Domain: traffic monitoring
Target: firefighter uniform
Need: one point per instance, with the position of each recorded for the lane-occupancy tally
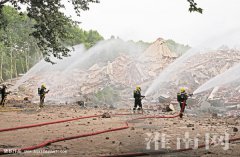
(138, 98)
(182, 99)
(4, 94)
(42, 92)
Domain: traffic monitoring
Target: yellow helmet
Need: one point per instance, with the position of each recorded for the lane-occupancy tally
(43, 86)
(182, 90)
(138, 88)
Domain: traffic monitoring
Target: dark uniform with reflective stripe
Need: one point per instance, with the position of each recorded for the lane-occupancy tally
(138, 99)
(4, 94)
(182, 99)
(42, 93)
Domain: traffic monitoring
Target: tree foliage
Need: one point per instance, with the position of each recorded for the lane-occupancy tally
(193, 7)
(19, 51)
(50, 23)
(77, 35)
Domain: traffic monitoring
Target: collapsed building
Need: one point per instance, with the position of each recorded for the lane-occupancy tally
(199, 69)
(111, 81)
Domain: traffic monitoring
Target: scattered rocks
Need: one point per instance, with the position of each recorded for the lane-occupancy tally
(214, 115)
(81, 103)
(209, 152)
(232, 121)
(190, 125)
(235, 129)
(106, 115)
(107, 138)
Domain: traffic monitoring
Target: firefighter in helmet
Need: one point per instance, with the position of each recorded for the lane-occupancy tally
(42, 92)
(4, 94)
(182, 100)
(138, 98)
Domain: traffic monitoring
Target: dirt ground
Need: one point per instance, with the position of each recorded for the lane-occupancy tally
(134, 139)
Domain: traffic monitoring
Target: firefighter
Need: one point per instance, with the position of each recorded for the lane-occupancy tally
(138, 98)
(4, 94)
(182, 99)
(42, 92)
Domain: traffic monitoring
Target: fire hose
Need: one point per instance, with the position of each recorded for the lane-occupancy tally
(55, 122)
(47, 123)
(147, 117)
(92, 134)
(161, 152)
(72, 137)
(67, 138)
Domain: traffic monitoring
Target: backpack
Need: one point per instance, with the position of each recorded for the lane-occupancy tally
(39, 91)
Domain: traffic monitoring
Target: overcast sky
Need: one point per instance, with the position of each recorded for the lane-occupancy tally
(149, 19)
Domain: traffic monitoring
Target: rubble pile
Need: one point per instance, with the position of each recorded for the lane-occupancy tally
(227, 96)
(121, 74)
(159, 50)
(156, 57)
(208, 65)
(112, 81)
(202, 67)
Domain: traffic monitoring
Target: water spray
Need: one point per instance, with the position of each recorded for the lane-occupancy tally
(228, 76)
(229, 37)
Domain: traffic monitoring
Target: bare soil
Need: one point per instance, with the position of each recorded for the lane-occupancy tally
(134, 139)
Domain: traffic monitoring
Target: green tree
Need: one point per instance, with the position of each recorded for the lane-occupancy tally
(50, 27)
(193, 7)
(50, 23)
(19, 51)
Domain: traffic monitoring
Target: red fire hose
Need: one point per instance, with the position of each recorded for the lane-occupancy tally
(72, 137)
(55, 122)
(67, 138)
(95, 133)
(47, 123)
(146, 117)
